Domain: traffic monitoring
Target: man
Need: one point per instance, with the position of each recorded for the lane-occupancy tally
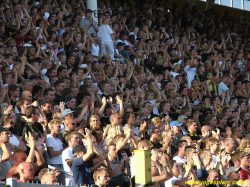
(214, 146)
(49, 94)
(4, 152)
(70, 125)
(244, 164)
(14, 93)
(62, 72)
(107, 38)
(213, 176)
(237, 133)
(89, 23)
(174, 109)
(46, 109)
(192, 129)
(222, 119)
(101, 177)
(27, 95)
(19, 157)
(36, 129)
(73, 140)
(80, 169)
(230, 145)
(55, 148)
(176, 180)
(223, 86)
(154, 134)
(233, 175)
(49, 179)
(25, 171)
(59, 86)
(180, 157)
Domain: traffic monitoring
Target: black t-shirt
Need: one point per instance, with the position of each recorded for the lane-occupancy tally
(58, 99)
(194, 137)
(19, 125)
(81, 172)
(36, 130)
(173, 115)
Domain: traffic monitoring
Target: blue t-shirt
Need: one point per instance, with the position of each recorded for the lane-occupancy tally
(81, 172)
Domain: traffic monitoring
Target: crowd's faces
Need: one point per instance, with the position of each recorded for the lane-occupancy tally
(60, 87)
(231, 144)
(238, 133)
(197, 107)
(103, 178)
(193, 127)
(4, 136)
(176, 169)
(107, 88)
(213, 122)
(177, 101)
(166, 107)
(95, 122)
(155, 134)
(46, 108)
(72, 104)
(29, 87)
(245, 161)
(28, 172)
(51, 96)
(15, 93)
(151, 96)
(99, 136)
(9, 79)
(112, 151)
(71, 125)
(213, 176)
(57, 128)
(25, 105)
(235, 176)
(149, 107)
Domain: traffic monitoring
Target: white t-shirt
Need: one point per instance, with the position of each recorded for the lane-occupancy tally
(57, 146)
(180, 162)
(104, 33)
(171, 182)
(222, 87)
(66, 155)
(174, 74)
(191, 72)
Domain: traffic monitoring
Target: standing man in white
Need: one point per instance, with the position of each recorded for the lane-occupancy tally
(73, 140)
(107, 38)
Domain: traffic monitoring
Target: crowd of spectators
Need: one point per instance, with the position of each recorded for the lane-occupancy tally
(80, 96)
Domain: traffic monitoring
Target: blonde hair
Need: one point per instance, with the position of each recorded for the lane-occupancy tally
(91, 118)
(156, 120)
(114, 131)
(166, 133)
(212, 140)
(244, 143)
(98, 171)
(52, 123)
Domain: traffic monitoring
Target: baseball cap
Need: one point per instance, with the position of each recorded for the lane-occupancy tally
(43, 102)
(181, 118)
(196, 103)
(120, 44)
(244, 154)
(175, 64)
(175, 123)
(88, 11)
(2, 129)
(231, 170)
(83, 66)
(79, 148)
(124, 32)
(151, 129)
(73, 50)
(66, 111)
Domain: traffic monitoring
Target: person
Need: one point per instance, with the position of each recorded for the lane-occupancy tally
(73, 140)
(106, 36)
(49, 179)
(101, 177)
(80, 166)
(55, 148)
(26, 172)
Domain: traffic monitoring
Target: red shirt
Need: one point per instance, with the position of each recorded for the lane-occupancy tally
(244, 174)
(20, 41)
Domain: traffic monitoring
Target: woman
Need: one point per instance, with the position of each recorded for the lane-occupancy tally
(245, 143)
(94, 122)
(129, 120)
(15, 143)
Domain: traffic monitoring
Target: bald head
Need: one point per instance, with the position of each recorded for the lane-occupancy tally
(49, 178)
(70, 124)
(26, 171)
